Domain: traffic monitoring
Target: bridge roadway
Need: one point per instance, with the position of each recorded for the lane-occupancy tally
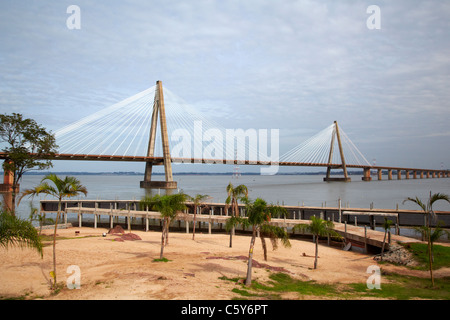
(160, 161)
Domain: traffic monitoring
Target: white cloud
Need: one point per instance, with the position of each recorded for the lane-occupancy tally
(288, 64)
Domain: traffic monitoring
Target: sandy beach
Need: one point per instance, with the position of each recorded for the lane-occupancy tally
(112, 269)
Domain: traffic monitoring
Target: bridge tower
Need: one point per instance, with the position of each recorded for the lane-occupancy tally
(158, 109)
(330, 157)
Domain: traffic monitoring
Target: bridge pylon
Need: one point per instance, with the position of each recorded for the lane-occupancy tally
(159, 110)
(342, 166)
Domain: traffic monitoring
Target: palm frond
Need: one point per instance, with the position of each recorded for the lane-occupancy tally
(438, 196)
(275, 233)
(234, 221)
(417, 201)
(18, 232)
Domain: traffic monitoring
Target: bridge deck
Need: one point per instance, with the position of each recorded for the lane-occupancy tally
(160, 161)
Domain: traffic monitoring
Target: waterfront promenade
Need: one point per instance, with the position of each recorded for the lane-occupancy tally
(355, 225)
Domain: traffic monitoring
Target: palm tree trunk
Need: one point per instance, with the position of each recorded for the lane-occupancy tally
(248, 280)
(430, 258)
(233, 212)
(264, 246)
(317, 251)
(54, 244)
(163, 237)
(428, 218)
(167, 231)
(382, 248)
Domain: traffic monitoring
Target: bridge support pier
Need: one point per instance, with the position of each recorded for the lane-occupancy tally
(389, 174)
(158, 108)
(8, 181)
(346, 178)
(366, 176)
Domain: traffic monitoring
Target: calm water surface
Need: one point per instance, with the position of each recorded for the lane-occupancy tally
(308, 190)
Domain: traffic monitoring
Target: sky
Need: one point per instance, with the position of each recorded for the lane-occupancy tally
(295, 66)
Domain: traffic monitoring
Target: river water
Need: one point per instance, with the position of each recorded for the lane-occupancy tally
(308, 190)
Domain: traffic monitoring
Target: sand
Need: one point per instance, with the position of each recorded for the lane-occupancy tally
(125, 269)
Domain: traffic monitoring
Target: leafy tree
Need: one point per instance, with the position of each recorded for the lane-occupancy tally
(234, 194)
(18, 232)
(28, 146)
(198, 201)
(429, 214)
(387, 227)
(60, 188)
(168, 206)
(318, 227)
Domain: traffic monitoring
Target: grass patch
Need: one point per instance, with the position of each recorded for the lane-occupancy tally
(420, 252)
(49, 238)
(393, 287)
(282, 282)
(161, 260)
(236, 279)
(403, 287)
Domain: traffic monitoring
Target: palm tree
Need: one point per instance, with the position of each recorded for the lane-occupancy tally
(258, 217)
(318, 227)
(429, 214)
(15, 231)
(436, 233)
(39, 216)
(61, 188)
(273, 233)
(387, 227)
(168, 206)
(234, 193)
(198, 201)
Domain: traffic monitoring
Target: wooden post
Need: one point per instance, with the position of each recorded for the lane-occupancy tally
(345, 232)
(340, 214)
(365, 239)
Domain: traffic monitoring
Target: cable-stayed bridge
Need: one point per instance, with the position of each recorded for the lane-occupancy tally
(129, 131)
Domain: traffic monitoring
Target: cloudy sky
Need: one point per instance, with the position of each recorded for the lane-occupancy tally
(292, 65)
